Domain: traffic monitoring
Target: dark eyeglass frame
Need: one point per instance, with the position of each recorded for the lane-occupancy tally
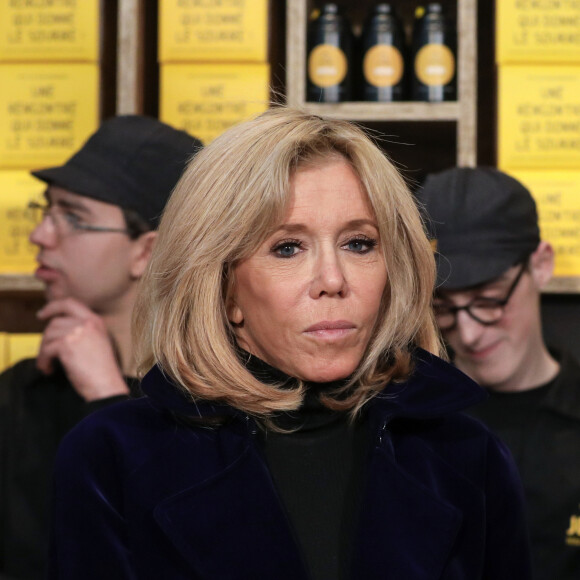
(73, 222)
(499, 303)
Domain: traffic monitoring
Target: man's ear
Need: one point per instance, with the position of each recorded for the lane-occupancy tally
(142, 250)
(542, 264)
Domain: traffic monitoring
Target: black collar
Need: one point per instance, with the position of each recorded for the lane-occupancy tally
(434, 389)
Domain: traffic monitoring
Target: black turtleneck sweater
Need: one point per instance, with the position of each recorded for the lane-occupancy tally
(318, 472)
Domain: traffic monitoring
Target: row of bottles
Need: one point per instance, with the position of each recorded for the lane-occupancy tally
(380, 65)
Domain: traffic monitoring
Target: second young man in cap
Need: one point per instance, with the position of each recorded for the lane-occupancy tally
(95, 236)
(492, 266)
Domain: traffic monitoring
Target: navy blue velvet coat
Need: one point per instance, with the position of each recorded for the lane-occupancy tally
(141, 495)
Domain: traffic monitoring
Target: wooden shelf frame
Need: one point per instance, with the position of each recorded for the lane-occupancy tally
(404, 111)
(27, 283)
(20, 283)
(563, 285)
(130, 62)
(463, 111)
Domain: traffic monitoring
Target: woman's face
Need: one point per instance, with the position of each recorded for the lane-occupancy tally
(307, 300)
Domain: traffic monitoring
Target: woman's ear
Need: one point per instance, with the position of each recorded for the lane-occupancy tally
(542, 264)
(142, 250)
(234, 312)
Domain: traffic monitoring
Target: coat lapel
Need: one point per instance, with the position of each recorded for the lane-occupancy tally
(406, 529)
(232, 525)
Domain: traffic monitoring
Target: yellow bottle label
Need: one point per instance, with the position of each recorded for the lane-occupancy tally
(327, 65)
(435, 65)
(383, 66)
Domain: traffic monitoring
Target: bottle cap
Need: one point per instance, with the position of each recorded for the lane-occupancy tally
(330, 8)
(434, 8)
(383, 8)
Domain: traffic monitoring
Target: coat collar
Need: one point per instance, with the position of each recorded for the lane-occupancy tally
(233, 521)
(434, 389)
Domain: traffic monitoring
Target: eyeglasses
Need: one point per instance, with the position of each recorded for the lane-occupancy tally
(66, 222)
(486, 311)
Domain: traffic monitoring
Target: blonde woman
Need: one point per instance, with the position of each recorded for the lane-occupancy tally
(297, 421)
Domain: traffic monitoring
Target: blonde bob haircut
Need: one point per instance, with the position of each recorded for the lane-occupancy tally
(231, 197)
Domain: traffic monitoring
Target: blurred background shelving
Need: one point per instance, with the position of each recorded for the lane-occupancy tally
(419, 137)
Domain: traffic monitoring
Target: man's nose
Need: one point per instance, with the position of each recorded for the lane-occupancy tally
(44, 234)
(468, 329)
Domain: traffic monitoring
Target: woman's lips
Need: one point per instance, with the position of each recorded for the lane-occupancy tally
(330, 329)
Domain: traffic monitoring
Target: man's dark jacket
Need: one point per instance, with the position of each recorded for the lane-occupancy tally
(142, 493)
(36, 411)
(547, 454)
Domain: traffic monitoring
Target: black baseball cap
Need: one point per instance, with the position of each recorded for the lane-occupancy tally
(481, 222)
(131, 161)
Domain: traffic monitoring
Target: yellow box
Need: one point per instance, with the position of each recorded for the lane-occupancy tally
(21, 346)
(17, 189)
(47, 111)
(539, 117)
(49, 31)
(556, 195)
(214, 31)
(537, 32)
(205, 99)
(3, 351)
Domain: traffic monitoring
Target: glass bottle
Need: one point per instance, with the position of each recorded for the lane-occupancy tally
(383, 56)
(329, 54)
(434, 59)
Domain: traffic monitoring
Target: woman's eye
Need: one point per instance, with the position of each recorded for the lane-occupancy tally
(287, 249)
(360, 245)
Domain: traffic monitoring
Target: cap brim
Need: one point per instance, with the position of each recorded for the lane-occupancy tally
(463, 271)
(77, 181)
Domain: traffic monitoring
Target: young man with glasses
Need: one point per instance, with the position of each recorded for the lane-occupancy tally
(95, 234)
(492, 266)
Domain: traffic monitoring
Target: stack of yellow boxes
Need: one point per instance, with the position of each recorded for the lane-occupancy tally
(16, 347)
(214, 63)
(49, 104)
(538, 56)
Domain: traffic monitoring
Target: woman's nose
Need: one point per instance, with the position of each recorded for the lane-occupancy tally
(328, 277)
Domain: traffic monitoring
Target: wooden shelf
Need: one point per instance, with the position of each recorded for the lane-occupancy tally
(20, 283)
(568, 285)
(408, 111)
(463, 111)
